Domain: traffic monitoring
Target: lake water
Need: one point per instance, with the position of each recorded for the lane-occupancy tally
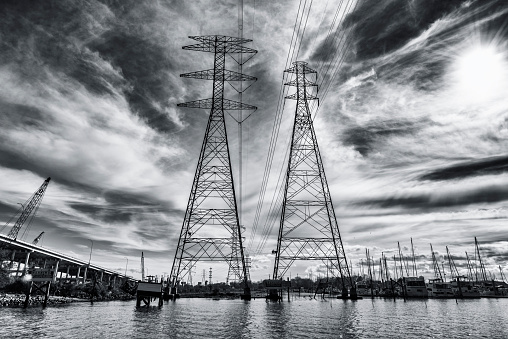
(300, 318)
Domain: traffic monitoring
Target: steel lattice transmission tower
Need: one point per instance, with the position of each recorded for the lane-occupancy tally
(211, 229)
(308, 226)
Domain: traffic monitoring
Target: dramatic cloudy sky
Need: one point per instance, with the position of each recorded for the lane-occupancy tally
(413, 130)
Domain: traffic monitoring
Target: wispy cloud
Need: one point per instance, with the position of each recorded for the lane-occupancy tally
(88, 96)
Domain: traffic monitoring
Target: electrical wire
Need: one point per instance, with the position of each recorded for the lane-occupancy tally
(335, 37)
(273, 138)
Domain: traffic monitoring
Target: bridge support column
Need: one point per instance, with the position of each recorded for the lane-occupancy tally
(84, 275)
(77, 274)
(102, 275)
(18, 269)
(67, 274)
(56, 270)
(25, 270)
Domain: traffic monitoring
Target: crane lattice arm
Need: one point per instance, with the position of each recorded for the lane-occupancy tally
(30, 206)
(36, 240)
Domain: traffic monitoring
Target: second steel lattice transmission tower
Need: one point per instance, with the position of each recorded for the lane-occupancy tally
(308, 226)
(211, 230)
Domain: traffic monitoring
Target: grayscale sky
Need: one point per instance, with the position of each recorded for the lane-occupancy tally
(413, 130)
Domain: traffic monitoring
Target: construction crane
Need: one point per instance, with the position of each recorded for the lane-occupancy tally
(31, 205)
(36, 240)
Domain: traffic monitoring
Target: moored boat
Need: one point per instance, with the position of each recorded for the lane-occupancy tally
(362, 289)
(415, 287)
(437, 288)
(465, 289)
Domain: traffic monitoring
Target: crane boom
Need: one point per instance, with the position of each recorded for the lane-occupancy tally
(29, 206)
(36, 240)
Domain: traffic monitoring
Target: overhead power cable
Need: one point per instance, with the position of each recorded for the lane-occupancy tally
(273, 138)
(338, 40)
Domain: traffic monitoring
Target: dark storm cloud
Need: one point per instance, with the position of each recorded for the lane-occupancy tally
(145, 67)
(8, 209)
(365, 138)
(39, 34)
(426, 70)
(103, 213)
(122, 207)
(427, 202)
(384, 26)
(100, 47)
(21, 161)
(14, 160)
(366, 228)
(487, 166)
(22, 115)
(379, 28)
(126, 198)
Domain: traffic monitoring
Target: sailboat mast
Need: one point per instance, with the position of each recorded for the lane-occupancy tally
(415, 269)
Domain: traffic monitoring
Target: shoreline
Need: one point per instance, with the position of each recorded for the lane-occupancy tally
(16, 300)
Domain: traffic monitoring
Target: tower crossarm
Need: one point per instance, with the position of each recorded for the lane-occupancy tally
(219, 38)
(305, 83)
(220, 47)
(210, 103)
(227, 76)
(300, 67)
(295, 96)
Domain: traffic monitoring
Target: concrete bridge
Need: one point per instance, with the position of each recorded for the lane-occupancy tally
(26, 256)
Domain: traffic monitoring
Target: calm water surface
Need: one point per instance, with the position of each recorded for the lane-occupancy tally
(301, 318)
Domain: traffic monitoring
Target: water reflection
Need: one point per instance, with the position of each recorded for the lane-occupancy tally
(300, 318)
(276, 319)
(237, 319)
(307, 317)
(147, 320)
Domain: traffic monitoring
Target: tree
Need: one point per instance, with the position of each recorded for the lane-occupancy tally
(4, 268)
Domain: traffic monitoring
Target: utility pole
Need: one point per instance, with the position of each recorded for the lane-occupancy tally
(142, 267)
(126, 263)
(210, 279)
(308, 226)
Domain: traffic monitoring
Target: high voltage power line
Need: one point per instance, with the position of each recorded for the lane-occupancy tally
(336, 37)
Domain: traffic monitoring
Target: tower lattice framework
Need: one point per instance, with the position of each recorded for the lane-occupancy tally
(211, 230)
(308, 226)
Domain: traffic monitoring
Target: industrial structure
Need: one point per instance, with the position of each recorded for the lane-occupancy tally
(31, 205)
(26, 258)
(45, 265)
(308, 227)
(211, 230)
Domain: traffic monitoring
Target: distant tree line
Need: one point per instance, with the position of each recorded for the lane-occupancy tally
(4, 269)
